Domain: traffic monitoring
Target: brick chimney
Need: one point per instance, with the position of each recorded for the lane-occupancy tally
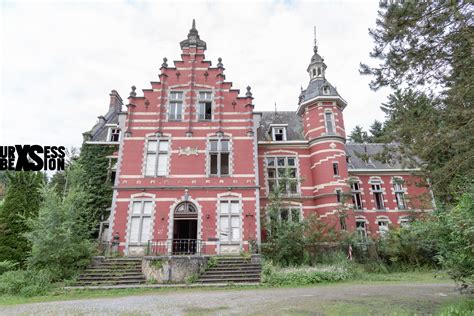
(115, 101)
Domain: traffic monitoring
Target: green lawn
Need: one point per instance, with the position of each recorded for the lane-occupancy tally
(60, 294)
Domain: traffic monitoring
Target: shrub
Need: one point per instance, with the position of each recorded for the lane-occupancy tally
(25, 282)
(58, 237)
(306, 275)
(7, 266)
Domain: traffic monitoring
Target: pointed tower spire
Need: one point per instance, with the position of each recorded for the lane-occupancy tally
(315, 44)
(193, 39)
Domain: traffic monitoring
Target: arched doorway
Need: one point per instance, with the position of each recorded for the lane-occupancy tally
(185, 229)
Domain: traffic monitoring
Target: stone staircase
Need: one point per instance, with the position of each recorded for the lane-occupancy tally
(122, 271)
(232, 270)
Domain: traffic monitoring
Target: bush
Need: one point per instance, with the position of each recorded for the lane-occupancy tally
(307, 275)
(25, 282)
(7, 266)
(58, 237)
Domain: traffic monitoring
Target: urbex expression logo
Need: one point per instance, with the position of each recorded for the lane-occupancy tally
(32, 157)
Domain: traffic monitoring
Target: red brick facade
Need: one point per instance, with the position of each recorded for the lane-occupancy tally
(195, 162)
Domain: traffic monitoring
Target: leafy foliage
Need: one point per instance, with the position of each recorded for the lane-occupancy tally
(92, 177)
(376, 134)
(425, 54)
(25, 282)
(21, 203)
(58, 236)
(7, 266)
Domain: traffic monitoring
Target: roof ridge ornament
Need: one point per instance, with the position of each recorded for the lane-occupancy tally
(248, 94)
(133, 93)
(193, 39)
(315, 44)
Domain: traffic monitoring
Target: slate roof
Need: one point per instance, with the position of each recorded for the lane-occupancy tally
(294, 128)
(99, 130)
(361, 156)
(315, 89)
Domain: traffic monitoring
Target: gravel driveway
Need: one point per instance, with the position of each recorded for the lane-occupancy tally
(422, 298)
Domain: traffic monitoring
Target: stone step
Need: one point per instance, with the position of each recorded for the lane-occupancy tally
(236, 266)
(229, 275)
(102, 269)
(109, 278)
(228, 280)
(137, 273)
(121, 282)
(232, 272)
(114, 264)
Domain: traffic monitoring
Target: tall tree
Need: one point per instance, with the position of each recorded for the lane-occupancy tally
(425, 49)
(358, 135)
(376, 132)
(22, 201)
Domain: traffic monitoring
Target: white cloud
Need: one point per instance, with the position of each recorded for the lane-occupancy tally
(60, 60)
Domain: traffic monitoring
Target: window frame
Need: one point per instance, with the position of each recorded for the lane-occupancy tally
(229, 215)
(141, 217)
(386, 224)
(282, 133)
(219, 153)
(330, 123)
(335, 169)
(157, 152)
(111, 134)
(202, 103)
(175, 102)
(378, 195)
(361, 233)
(399, 193)
(277, 177)
(356, 193)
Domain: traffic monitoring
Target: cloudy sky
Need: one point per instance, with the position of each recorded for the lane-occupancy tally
(59, 60)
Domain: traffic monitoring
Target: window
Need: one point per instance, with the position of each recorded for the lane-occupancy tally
(329, 123)
(335, 168)
(378, 195)
(140, 222)
(326, 90)
(279, 133)
(114, 134)
(405, 222)
(282, 174)
(176, 106)
(219, 153)
(319, 71)
(342, 223)
(229, 221)
(361, 230)
(383, 227)
(205, 106)
(314, 72)
(156, 162)
(290, 214)
(356, 195)
(399, 195)
(339, 196)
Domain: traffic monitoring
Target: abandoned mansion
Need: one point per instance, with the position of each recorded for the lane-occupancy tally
(196, 162)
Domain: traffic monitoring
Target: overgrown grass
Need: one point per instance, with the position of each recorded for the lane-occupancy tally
(458, 307)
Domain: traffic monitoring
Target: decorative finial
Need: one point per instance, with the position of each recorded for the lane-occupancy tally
(276, 108)
(194, 24)
(315, 45)
(248, 94)
(133, 93)
(165, 62)
(219, 64)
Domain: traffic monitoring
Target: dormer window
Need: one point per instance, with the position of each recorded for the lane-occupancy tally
(278, 133)
(114, 134)
(326, 90)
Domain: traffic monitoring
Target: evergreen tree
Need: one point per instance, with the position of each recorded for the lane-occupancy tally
(22, 201)
(358, 135)
(376, 132)
(425, 49)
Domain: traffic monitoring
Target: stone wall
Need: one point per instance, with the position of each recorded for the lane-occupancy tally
(172, 269)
